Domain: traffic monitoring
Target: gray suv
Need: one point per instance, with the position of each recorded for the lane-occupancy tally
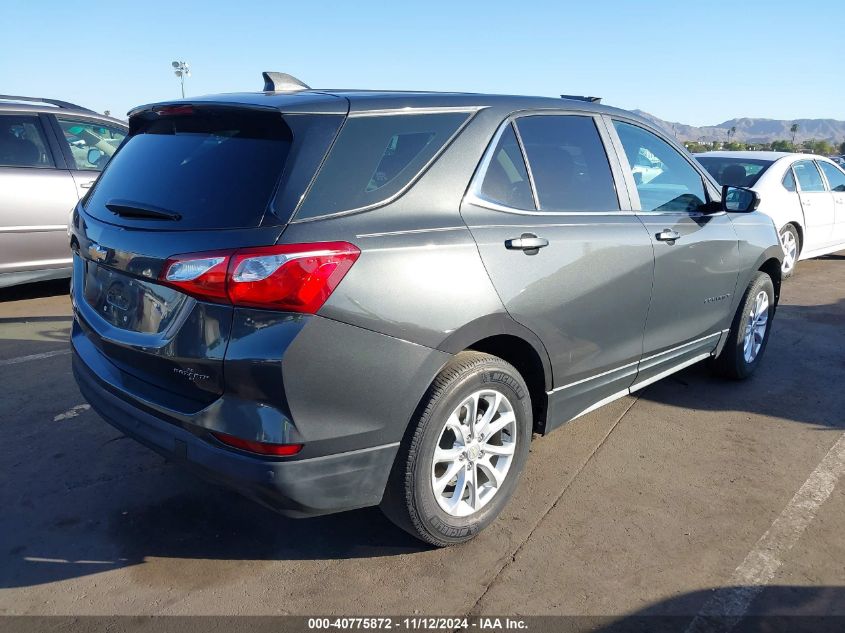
(336, 299)
(51, 152)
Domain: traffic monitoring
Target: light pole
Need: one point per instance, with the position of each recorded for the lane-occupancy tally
(181, 70)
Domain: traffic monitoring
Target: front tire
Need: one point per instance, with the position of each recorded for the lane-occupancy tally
(790, 242)
(749, 333)
(464, 450)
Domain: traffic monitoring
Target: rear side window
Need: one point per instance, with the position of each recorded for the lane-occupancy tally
(375, 157)
(809, 178)
(835, 176)
(568, 163)
(506, 179)
(215, 167)
(22, 142)
(789, 181)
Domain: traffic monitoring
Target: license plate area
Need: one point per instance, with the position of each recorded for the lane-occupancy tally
(130, 303)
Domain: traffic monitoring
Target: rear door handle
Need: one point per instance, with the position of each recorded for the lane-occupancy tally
(668, 235)
(87, 185)
(528, 243)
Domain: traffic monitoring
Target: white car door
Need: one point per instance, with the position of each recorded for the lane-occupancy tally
(817, 203)
(836, 183)
(35, 197)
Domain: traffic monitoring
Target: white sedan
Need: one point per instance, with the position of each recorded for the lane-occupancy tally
(804, 194)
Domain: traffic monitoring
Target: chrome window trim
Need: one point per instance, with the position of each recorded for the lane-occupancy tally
(413, 110)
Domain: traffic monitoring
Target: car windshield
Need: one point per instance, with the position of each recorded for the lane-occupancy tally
(737, 172)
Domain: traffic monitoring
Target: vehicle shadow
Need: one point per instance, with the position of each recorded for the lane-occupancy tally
(164, 512)
(776, 609)
(799, 378)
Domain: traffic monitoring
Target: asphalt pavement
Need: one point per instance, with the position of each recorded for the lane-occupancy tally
(696, 494)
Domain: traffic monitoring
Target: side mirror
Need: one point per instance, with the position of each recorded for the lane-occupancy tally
(94, 155)
(739, 199)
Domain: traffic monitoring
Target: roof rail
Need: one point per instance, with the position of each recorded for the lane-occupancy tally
(580, 98)
(65, 105)
(282, 82)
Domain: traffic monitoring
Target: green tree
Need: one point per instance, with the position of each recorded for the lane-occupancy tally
(782, 146)
(694, 147)
(794, 130)
(818, 147)
(842, 147)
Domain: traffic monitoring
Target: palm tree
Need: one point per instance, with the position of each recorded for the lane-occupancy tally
(794, 130)
(732, 132)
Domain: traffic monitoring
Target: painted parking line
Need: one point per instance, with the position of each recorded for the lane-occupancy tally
(24, 359)
(728, 605)
(72, 412)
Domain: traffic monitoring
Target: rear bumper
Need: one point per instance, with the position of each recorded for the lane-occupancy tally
(294, 487)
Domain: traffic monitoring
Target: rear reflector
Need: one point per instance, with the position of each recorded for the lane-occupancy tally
(286, 277)
(261, 448)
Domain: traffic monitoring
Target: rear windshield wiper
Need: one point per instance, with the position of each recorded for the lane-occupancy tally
(129, 209)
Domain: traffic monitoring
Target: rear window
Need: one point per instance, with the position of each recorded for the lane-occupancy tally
(375, 157)
(215, 168)
(737, 172)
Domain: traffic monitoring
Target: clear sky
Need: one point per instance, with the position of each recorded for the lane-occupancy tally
(695, 61)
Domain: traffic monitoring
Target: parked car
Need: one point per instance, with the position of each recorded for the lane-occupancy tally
(51, 152)
(804, 195)
(336, 299)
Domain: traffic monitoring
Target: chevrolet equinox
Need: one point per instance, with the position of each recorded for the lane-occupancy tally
(332, 299)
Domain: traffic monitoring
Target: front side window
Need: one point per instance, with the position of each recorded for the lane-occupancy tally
(568, 163)
(91, 144)
(835, 176)
(375, 157)
(22, 142)
(670, 183)
(809, 178)
(506, 179)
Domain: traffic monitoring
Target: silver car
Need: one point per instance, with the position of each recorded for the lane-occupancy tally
(51, 152)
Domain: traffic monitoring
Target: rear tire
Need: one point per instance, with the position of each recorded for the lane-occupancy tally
(451, 479)
(790, 242)
(749, 333)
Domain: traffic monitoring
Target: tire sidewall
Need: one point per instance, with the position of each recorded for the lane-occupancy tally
(762, 283)
(496, 378)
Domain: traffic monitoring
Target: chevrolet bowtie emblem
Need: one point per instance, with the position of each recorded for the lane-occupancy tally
(97, 252)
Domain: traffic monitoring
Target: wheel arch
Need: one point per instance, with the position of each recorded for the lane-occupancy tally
(500, 335)
(772, 267)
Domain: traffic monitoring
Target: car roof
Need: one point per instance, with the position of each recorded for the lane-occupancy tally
(9, 106)
(339, 100)
(769, 156)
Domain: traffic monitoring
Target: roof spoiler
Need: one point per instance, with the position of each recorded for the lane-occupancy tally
(580, 98)
(65, 105)
(282, 82)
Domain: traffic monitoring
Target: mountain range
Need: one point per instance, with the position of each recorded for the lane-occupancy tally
(755, 130)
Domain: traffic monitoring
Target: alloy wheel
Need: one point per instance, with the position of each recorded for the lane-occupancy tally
(474, 453)
(755, 326)
(790, 251)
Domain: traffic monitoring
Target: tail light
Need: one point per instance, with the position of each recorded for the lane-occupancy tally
(287, 277)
